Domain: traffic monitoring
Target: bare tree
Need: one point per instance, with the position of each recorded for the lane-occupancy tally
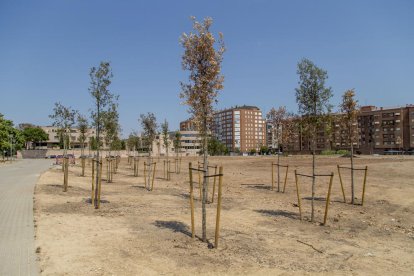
(349, 108)
(313, 100)
(203, 61)
(101, 78)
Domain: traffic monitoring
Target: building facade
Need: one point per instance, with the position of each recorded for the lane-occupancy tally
(377, 130)
(241, 129)
(55, 140)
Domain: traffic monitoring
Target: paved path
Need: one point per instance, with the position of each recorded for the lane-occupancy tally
(17, 247)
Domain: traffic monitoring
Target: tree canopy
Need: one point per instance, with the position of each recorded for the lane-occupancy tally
(34, 134)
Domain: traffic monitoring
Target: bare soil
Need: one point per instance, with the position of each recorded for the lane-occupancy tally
(140, 232)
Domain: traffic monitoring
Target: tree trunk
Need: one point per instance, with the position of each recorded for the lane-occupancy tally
(98, 167)
(352, 172)
(313, 178)
(205, 183)
(278, 169)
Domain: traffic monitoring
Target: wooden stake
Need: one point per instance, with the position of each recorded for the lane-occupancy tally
(298, 193)
(328, 198)
(83, 165)
(93, 181)
(99, 185)
(342, 185)
(216, 238)
(153, 176)
(284, 185)
(199, 181)
(214, 184)
(273, 177)
(363, 186)
(145, 174)
(190, 171)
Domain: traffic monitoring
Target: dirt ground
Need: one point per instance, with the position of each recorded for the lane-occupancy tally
(140, 232)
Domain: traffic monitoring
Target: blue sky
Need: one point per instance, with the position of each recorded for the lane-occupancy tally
(47, 48)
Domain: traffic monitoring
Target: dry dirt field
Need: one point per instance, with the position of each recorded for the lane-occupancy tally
(137, 232)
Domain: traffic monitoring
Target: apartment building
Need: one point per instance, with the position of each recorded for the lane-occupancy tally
(241, 128)
(190, 138)
(377, 130)
(386, 129)
(54, 139)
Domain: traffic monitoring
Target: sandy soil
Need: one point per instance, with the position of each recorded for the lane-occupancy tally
(137, 232)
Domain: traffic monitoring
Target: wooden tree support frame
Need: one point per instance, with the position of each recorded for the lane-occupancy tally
(363, 184)
(167, 170)
(96, 203)
(135, 166)
(149, 183)
(177, 165)
(83, 165)
(219, 200)
(117, 162)
(328, 196)
(109, 169)
(273, 176)
(200, 184)
(65, 164)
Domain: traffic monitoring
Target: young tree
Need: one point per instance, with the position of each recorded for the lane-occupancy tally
(111, 125)
(165, 136)
(313, 100)
(202, 57)
(132, 142)
(349, 108)
(82, 123)
(33, 135)
(83, 126)
(149, 127)
(64, 119)
(177, 142)
(281, 122)
(101, 78)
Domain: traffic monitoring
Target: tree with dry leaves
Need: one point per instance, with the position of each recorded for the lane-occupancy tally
(349, 110)
(281, 122)
(203, 56)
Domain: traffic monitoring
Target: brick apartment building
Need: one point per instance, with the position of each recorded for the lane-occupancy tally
(241, 128)
(378, 130)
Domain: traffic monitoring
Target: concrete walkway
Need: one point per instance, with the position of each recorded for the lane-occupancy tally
(17, 247)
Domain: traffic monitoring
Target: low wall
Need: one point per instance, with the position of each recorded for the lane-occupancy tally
(33, 154)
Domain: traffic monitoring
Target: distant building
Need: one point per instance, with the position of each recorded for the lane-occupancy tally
(190, 138)
(55, 140)
(241, 128)
(378, 130)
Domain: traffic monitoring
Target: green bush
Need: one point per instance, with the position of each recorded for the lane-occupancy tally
(333, 152)
(342, 152)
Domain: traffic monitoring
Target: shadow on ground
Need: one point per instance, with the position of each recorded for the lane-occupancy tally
(278, 213)
(175, 226)
(257, 186)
